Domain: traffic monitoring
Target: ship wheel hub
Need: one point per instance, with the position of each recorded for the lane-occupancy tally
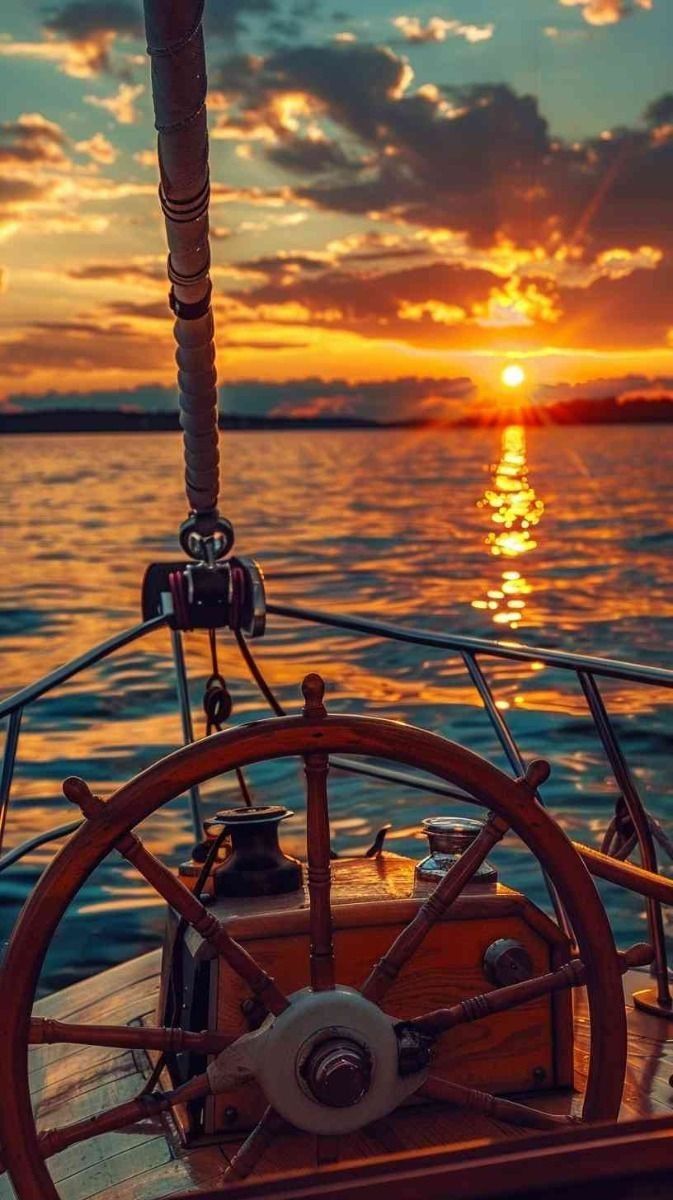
(329, 1062)
(338, 1072)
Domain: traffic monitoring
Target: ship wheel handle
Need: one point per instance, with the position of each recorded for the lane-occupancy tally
(328, 1059)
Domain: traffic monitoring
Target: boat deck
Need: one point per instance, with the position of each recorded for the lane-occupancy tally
(148, 1161)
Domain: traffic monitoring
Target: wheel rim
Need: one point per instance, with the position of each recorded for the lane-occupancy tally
(295, 737)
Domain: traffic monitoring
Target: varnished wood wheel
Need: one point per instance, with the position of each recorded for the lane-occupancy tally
(361, 1071)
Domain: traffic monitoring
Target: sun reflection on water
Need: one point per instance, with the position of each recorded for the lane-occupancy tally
(515, 511)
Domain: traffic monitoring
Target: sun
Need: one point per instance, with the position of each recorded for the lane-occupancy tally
(513, 375)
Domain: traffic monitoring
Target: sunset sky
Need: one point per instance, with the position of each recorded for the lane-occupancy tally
(419, 193)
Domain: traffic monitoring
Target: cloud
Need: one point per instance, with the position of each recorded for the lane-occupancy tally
(25, 199)
(122, 105)
(147, 158)
(461, 157)
(382, 400)
(385, 399)
(79, 37)
(98, 148)
(437, 310)
(32, 140)
(308, 155)
(442, 292)
(227, 18)
(74, 348)
(624, 387)
(606, 12)
(480, 161)
(417, 303)
(479, 188)
(438, 29)
(148, 271)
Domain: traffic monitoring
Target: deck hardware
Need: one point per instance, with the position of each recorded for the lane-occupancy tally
(338, 1072)
(222, 595)
(206, 548)
(413, 1049)
(506, 961)
(256, 865)
(377, 845)
(253, 1011)
(296, 1074)
(448, 838)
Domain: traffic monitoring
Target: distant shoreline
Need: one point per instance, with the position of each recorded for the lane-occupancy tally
(610, 411)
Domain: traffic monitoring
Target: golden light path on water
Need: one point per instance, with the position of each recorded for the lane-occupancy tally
(515, 510)
(547, 536)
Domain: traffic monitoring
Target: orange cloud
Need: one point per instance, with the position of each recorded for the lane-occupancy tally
(99, 148)
(436, 310)
(606, 12)
(438, 29)
(31, 140)
(80, 36)
(122, 105)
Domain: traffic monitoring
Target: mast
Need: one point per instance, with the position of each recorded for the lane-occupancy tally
(175, 44)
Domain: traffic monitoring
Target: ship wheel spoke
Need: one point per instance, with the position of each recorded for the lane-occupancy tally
(405, 945)
(170, 1040)
(147, 1105)
(475, 1008)
(489, 1105)
(321, 952)
(184, 902)
(255, 1145)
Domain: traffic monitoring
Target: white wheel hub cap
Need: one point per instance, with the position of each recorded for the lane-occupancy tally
(327, 1064)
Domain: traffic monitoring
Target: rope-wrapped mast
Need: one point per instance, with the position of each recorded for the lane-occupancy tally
(176, 47)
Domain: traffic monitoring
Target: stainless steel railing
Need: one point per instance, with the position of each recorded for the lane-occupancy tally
(587, 670)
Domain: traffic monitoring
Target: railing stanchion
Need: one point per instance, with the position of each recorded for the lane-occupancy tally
(8, 761)
(515, 759)
(648, 853)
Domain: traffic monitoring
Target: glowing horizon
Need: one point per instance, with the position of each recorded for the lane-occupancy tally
(341, 248)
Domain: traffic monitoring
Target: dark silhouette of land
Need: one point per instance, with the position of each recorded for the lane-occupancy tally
(645, 410)
(91, 420)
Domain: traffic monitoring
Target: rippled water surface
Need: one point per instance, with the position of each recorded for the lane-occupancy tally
(553, 537)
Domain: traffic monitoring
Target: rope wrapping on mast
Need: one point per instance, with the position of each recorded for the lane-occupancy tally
(175, 44)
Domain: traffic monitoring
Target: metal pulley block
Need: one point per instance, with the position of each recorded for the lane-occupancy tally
(228, 594)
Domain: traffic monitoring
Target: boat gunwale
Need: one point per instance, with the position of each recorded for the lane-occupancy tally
(609, 1151)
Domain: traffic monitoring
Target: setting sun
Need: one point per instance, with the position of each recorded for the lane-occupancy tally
(512, 375)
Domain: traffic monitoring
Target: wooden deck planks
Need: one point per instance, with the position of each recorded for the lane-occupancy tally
(116, 1171)
(78, 996)
(70, 1082)
(650, 1053)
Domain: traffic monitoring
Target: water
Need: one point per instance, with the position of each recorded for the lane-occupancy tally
(556, 537)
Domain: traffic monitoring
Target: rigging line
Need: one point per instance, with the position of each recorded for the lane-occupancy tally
(350, 765)
(257, 675)
(217, 705)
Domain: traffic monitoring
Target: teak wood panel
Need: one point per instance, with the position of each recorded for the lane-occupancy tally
(505, 1053)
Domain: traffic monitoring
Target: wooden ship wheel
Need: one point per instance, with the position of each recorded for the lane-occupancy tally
(328, 1057)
